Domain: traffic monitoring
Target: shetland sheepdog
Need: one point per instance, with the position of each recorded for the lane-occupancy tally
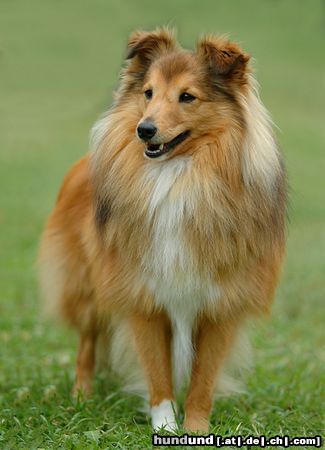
(171, 232)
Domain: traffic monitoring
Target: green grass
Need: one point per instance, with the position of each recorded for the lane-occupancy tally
(58, 66)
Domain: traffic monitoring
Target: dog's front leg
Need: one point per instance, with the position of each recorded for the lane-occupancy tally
(212, 344)
(152, 336)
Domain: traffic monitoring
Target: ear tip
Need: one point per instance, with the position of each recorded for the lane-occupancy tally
(165, 34)
(163, 31)
(213, 43)
(244, 57)
(213, 40)
(167, 31)
(220, 42)
(135, 36)
(133, 40)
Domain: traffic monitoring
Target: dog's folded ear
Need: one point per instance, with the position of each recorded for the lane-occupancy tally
(224, 58)
(146, 46)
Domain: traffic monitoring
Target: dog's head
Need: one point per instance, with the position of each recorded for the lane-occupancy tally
(181, 95)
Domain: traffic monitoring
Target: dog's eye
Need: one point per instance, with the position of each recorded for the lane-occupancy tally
(148, 94)
(185, 97)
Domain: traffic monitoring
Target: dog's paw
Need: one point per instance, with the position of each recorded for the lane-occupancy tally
(196, 424)
(163, 416)
(81, 389)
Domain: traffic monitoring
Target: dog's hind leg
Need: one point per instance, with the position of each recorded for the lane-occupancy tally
(86, 361)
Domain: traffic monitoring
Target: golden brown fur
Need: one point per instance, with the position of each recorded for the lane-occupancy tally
(180, 250)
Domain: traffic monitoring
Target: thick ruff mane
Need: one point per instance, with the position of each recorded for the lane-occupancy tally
(123, 178)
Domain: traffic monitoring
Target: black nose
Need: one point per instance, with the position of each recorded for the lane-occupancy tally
(146, 130)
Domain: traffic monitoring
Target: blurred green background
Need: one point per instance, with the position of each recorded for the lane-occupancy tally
(59, 63)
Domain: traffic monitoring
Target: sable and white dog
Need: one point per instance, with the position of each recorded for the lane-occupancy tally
(171, 232)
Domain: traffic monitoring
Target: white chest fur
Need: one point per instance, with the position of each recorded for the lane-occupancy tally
(170, 269)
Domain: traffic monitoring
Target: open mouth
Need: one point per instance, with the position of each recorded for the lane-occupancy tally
(156, 150)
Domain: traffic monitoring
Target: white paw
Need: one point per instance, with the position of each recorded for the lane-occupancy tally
(163, 416)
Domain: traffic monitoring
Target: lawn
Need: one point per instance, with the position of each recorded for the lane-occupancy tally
(59, 63)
